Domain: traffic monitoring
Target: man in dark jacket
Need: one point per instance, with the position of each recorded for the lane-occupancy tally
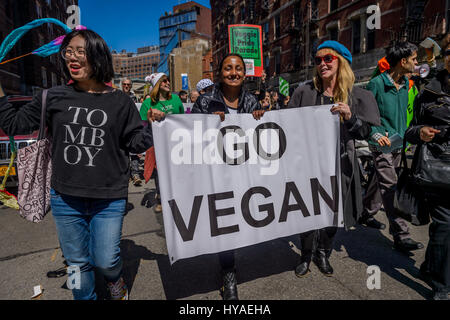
(391, 93)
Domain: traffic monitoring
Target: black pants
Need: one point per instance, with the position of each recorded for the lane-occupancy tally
(226, 260)
(134, 164)
(437, 256)
(318, 239)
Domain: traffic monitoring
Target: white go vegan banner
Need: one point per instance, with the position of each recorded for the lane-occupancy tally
(236, 183)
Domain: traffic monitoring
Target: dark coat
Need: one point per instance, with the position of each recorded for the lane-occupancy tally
(432, 108)
(213, 101)
(364, 115)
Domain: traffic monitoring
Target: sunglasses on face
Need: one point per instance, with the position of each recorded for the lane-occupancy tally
(328, 58)
(127, 84)
(446, 53)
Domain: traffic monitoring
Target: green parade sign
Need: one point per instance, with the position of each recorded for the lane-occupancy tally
(246, 40)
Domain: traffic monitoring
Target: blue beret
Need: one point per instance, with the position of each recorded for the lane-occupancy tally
(339, 48)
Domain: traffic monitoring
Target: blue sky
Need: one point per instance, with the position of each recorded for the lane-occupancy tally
(127, 24)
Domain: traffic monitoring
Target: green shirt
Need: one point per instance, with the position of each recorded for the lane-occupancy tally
(392, 104)
(172, 106)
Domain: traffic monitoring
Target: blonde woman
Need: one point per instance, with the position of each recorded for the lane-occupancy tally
(333, 84)
(162, 102)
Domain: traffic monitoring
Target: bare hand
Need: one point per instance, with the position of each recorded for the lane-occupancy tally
(221, 115)
(384, 141)
(155, 115)
(427, 133)
(257, 114)
(2, 94)
(343, 109)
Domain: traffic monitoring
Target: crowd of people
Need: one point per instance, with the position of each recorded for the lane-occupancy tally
(88, 200)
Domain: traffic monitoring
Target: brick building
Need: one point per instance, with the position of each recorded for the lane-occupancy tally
(292, 30)
(136, 65)
(26, 75)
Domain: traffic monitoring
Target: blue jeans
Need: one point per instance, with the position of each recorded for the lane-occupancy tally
(89, 232)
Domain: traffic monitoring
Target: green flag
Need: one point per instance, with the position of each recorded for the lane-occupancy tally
(284, 87)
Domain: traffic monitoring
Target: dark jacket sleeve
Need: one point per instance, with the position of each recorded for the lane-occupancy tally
(296, 99)
(196, 108)
(22, 121)
(357, 128)
(137, 138)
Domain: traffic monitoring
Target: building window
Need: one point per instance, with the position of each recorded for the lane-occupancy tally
(334, 34)
(370, 39)
(277, 22)
(356, 36)
(266, 31)
(266, 62)
(334, 4)
(277, 62)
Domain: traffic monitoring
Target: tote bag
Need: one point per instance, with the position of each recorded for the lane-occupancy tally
(34, 171)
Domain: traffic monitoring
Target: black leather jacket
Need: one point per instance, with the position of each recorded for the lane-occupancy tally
(432, 108)
(213, 101)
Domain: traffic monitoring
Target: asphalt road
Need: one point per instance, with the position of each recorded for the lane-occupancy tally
(265, 271)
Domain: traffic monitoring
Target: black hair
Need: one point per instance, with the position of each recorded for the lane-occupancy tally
(97, 54)
(182, 92)
(232, 55)
(398, 51)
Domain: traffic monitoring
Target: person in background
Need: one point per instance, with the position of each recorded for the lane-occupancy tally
(333, 83)
(275, 100)
(431, 124)
(204, 86)
(89, 182)
(134, 158)
(391, 93)
(183, 96)
(127, 86)
(229, 97)
(265, 101)
(161, 101)
(193, 96)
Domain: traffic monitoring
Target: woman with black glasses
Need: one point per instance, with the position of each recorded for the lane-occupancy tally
(93, 128)
(333, 84)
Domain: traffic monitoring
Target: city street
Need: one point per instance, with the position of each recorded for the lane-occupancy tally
(265, 271)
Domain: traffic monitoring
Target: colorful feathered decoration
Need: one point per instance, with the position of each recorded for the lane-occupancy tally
(18, 33)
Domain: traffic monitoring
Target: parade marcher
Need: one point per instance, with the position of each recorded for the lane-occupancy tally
(163, 100)
(391, 93)
(90, 171)
(431, 125)
(183, 96)
(333, 84)
(204, 86)
(134, 158)
(229, 97)
(127, 85)
(193, 96)
(265, 101)
(275, 100)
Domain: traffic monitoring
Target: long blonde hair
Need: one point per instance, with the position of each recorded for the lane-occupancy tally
(154, 95)
(344, 81)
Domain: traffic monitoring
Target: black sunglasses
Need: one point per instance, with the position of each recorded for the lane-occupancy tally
(446, 53)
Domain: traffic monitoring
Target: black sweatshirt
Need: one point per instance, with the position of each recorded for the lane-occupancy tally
(92, 135)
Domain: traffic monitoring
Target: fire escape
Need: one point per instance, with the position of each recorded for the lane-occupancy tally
(414, 20)
(307, 36)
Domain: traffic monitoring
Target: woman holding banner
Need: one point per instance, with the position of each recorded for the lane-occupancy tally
(161, 101)
(229, 97)
(333, 84)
